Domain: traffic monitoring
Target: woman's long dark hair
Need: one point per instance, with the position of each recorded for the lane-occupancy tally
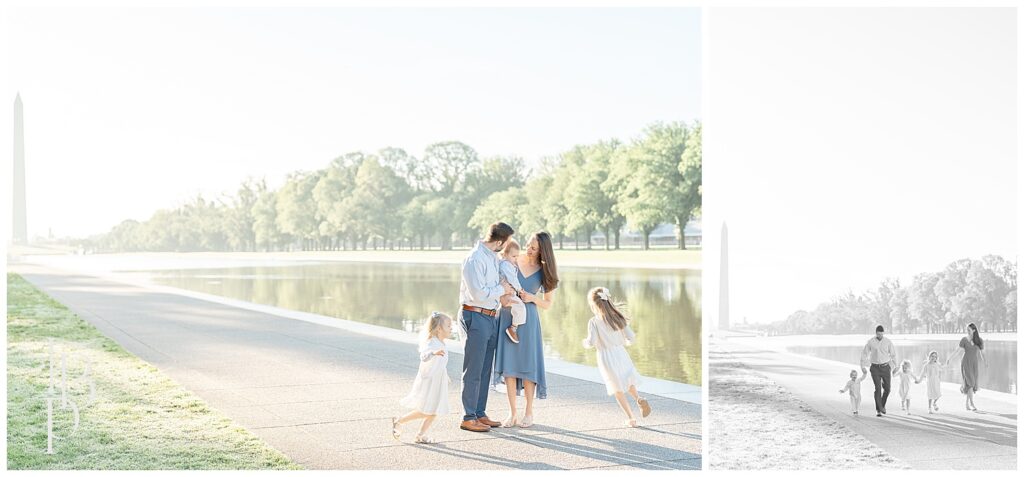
(548, 267)
(976, 337)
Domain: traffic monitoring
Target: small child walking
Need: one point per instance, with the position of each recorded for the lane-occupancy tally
(906, 374)
(609, 332)
(853, 387)
(932, 371)
(429, 395)
(509, 273)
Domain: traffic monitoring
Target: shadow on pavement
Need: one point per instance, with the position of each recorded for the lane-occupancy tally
(997, 433)
(489, 459)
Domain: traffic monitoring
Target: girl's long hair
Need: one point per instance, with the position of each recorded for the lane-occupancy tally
(432, 325)
(976, 337)
(606, 308)
(548, 267)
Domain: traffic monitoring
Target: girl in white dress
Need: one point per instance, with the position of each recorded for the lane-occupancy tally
(906, 374)
(933, 372)
(429, 395)
(609, 332)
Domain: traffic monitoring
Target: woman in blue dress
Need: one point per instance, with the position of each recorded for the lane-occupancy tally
(521, 365)
(971, 347)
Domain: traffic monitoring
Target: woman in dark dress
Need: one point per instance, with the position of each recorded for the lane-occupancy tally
(972, 348)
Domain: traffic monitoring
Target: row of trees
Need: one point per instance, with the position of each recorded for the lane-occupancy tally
(392, 199)
(982, 291)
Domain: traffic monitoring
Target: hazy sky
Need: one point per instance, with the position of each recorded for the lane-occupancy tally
(128, 111)
(847, 145)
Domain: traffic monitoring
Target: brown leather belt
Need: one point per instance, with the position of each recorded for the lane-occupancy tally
(477, 309)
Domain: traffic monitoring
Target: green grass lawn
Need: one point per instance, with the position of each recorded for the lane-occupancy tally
(140, 419)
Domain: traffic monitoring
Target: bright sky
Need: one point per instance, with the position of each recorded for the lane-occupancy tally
(128, 111)
(847, 145)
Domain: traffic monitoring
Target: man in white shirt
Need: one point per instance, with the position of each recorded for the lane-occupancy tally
(880, 354)
(479, 292)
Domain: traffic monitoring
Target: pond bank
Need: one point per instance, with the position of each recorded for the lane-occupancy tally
(664, 303)
(650, 259)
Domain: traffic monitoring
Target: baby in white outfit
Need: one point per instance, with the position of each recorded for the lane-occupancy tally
(509, 273)
(853, 387)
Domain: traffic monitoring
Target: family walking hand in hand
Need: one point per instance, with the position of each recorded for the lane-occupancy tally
(500, 292)
(880, 353)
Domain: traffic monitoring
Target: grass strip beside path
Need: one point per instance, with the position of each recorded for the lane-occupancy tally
(140, 418)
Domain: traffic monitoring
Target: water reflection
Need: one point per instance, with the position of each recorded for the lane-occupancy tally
(999, 375)
(665, 305)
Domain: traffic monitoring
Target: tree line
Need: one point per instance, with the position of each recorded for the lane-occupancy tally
(391, 199)
(982, 291)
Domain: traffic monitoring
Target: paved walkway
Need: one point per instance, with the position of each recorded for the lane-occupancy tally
(324, 396)
(951, 439)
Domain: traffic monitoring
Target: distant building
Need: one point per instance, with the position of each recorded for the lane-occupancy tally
(663, 235)
(723, 282)
(693, 233)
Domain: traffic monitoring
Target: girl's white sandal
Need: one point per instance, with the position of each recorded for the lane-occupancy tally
(395, 431)
(422, 439)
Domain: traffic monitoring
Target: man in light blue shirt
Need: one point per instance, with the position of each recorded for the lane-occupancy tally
(880, 354)
(479, 292)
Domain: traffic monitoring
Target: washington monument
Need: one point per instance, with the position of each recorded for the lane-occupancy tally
(723, 283)
(20, 234)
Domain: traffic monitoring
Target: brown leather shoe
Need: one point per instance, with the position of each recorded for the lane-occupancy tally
(512, 335)
(487, 422)
(474, 426)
